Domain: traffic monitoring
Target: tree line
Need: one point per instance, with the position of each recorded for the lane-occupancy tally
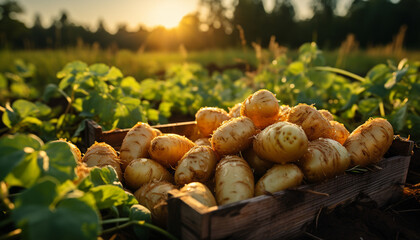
(372, 23)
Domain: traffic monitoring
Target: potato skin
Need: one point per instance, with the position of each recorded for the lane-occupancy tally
(258, 165)
(369, 142)
(209, 119)
(313, 123)
(278, 178)
(234, 180)
(326, 114)
(235, 111)
(168, 149)
(284, 112)
(233, 136)
(262, 108)
(324, 159)
(203, 142)
(199, 192)
(143, 170)
(340, 132)
(153, 195)
(136, 143)
(102, 154)
(197, 165)
(282, 142)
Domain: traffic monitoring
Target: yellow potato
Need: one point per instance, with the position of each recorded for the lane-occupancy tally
(340, 132)
(154, 196)
(281, 142)
(234, 180)
(313, 122)
(233, 136)
(284, 112)
(235, 111)
(259, 165)
(143, 170)
(199, 192)
(136, 143)
(278, 178)
(262, 108)
(209, 119)
(369, 142)
(324, 159)
(102, 154)
(203, 142)
(168, 149)
(327, 115)
(197, 165)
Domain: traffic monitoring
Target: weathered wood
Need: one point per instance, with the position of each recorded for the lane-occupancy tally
(284, 214)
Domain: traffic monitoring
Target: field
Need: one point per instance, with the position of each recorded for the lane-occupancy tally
(46, 95)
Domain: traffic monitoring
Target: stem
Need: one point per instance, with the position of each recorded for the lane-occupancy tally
(115, 220)
(341, 71)
(141, 223)
(11, 235)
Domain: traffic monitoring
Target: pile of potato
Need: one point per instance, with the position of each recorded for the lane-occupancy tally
(259, 147)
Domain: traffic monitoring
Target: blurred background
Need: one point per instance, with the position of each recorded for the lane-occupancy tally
(354, 34)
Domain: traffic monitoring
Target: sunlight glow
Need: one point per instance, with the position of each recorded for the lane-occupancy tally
(168, 13)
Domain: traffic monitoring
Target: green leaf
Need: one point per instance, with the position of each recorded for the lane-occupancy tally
(72, 68)
(59, 160)
(140, 213)
(108, 195)
(42, 215)
(396, 77)
(50, 91)
(25, 108)
(295, 68)
(10, 118)
(398, 118)
(66, 82)
(99, 69)
(100, 176)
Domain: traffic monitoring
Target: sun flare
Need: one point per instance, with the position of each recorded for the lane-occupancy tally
(168, 13)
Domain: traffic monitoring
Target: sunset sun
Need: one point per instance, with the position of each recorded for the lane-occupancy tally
(168, 13)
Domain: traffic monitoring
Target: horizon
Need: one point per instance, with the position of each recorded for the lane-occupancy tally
(132, 13)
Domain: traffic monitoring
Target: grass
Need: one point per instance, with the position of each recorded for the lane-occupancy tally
(142, 65)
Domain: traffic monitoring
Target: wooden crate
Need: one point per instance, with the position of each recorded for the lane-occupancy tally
(281, 215)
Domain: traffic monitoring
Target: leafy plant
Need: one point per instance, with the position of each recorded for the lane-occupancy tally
(43, 198)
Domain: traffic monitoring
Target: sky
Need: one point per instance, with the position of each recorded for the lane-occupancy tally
(149, 13)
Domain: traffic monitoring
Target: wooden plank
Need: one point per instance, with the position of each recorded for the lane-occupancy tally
(284, 214)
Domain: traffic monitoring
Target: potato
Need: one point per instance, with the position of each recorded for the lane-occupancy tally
(203, 142)
(102, 154)
(324, 159)
(258, 165)
(340, 132)
(278, 178)
(281, 142)
(369, 142)
(168, 149)
(234, 180)
(327, 115)
(199, 192)
(154, 196)
(136, 143)
(233, 136)
(284, 112)
(197, 165)
(143, 170)
(312, 121)
(209, 119)
(262, 108)
(235, 111)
